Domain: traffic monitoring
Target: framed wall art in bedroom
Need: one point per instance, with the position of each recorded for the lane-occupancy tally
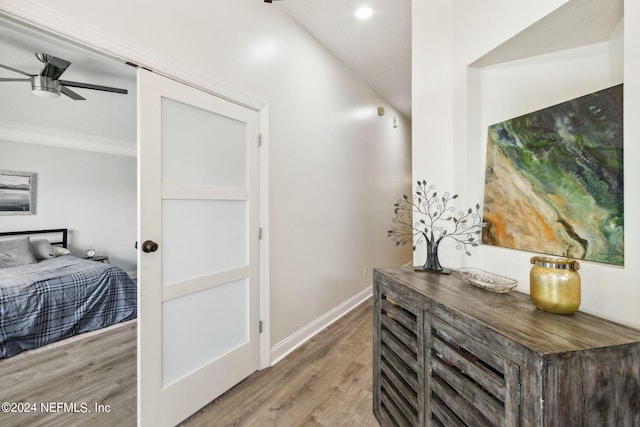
(17, 193)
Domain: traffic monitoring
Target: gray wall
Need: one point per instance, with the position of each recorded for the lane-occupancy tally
(92, 194)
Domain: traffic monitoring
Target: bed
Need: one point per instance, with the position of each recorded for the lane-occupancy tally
(51, 295)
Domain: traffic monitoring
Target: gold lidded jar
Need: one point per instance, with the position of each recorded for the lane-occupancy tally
(555, 284)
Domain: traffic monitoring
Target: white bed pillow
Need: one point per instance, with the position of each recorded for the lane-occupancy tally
(16, 252)
(59, 251)
(42, 249)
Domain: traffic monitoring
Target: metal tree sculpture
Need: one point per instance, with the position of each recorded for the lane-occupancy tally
(439, 223)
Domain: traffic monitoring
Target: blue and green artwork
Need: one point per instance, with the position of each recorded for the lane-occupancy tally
(554, 180)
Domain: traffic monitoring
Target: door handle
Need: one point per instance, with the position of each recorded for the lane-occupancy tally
(149, 246)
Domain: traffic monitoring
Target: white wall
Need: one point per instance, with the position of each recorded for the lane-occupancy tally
(482, 96)
(336, 168)
(91, 194)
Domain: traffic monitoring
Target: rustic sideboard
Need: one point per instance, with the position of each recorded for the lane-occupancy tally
(450, 354)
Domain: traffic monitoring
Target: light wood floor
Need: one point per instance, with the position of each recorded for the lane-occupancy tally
(325, 382)
(95, 368)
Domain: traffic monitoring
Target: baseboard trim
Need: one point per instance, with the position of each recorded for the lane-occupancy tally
(295, 340)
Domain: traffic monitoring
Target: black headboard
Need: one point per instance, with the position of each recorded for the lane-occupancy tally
(61, 241)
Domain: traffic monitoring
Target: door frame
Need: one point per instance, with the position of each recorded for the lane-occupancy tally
(47, 20)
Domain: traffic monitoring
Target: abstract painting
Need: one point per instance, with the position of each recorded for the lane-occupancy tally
(554, 180)
(17, 193)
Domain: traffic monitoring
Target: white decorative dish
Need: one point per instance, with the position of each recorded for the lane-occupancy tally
(488, 281)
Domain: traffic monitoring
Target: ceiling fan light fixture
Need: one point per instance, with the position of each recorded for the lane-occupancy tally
(47, 83)
(45, 87)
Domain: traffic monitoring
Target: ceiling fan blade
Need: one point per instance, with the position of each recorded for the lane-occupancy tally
(93, 87)
(14, 70)
(14, 80)
(71, 94)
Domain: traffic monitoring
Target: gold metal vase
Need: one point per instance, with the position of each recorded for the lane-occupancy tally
(555, 284)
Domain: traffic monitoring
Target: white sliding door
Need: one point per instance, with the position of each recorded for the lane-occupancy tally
(199, 248)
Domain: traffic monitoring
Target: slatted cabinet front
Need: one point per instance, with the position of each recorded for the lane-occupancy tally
(415, 351)
(400, 360)
(470, 384)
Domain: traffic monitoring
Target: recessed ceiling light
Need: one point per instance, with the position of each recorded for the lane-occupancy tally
(364, 13)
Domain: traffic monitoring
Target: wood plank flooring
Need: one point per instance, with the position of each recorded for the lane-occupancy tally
(325, 382)
(98, 368)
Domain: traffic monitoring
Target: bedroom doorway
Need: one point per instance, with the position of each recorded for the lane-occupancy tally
(199, 267)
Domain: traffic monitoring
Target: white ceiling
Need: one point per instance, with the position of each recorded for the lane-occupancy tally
(18, 45)
(378, 49)
(575, 24)
(102, 116)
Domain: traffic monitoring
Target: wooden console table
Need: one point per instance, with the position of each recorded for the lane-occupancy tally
(447, 353)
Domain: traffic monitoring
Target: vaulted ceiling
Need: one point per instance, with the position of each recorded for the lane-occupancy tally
(378, 49)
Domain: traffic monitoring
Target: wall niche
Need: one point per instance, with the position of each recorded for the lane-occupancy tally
(575, 50)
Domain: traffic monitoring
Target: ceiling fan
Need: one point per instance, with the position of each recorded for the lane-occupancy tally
(47, 84)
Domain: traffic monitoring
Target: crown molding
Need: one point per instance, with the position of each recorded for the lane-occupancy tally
(36, 15)
(54, 138)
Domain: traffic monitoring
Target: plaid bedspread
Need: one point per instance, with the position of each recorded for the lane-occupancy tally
(58, 298)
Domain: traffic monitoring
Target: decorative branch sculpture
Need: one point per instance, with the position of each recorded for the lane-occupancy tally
(436, 222)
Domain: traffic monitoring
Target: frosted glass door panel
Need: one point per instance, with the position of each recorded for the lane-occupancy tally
(202, 237)
(202, 148)
(200, 327)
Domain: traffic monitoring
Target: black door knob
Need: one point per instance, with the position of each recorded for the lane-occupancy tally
(149, 246)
